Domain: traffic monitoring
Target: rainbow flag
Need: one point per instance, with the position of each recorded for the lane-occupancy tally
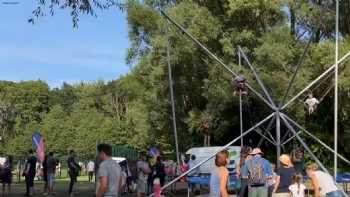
(38, 145)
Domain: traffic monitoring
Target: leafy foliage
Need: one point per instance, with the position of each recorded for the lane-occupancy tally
(135, 109)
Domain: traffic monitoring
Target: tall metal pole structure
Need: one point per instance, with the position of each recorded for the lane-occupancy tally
(278, 137)
(278, 111)
(240, 102)
(172, 97)
(336, 89)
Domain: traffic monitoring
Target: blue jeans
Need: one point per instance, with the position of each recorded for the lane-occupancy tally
(335, 194)
(50, 179)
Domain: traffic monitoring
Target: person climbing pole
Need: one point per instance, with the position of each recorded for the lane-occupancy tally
(239, 83)
(311, 103)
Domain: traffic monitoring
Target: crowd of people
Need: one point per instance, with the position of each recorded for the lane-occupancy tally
(259, 178)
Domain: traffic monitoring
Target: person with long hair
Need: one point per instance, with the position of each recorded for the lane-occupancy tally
(297, 189)
(284, 177)
(219, 176)
(322, 183)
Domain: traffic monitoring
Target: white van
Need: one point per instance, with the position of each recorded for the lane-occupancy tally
(203, 153)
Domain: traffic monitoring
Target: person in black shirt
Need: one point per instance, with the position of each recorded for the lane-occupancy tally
(29, 173)
(284, 176)
(73, 171)
(7, 174)
(159, 170)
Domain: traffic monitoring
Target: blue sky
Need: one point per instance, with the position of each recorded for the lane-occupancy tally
(53, 51)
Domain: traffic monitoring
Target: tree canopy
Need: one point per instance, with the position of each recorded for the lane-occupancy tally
(135, 109)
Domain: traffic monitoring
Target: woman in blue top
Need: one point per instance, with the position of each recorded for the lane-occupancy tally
(219, 176)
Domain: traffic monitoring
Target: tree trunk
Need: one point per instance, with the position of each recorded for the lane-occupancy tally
(292, 21)
(208, 140)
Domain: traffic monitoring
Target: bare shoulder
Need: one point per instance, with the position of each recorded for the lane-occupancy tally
(223, 170)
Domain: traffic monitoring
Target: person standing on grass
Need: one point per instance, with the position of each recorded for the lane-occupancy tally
(51, 170)
(258, 171)
(284, 177)
(220, 175)
(7, 175)
(44, 170)
(159, 170)
(73, 171)
(245, 156)
(91, 169)
(30, 172)
(109, 173)
(143, 171)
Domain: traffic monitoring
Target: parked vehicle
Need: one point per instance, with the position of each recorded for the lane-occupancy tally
(203, 153)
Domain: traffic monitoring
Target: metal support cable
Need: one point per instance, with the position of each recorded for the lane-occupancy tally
(267, 94)
(300, 62)
(213, 155)
(345, 57)
(215, 57)
(309, 150)
(336, 74)
(172, 97)
(316, 139)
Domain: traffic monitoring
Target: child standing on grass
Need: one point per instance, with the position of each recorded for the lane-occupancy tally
(297, 189)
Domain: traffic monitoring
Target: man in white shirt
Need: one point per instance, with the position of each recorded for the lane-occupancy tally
(91, 169)
(109, 173)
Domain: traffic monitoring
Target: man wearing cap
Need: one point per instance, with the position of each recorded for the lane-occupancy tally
(257, 170)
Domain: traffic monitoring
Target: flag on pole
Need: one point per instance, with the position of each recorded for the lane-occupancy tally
(38, 145)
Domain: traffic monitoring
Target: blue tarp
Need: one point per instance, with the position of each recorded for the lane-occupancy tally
(343, 177)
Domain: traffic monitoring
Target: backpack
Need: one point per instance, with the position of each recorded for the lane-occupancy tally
(256, 172)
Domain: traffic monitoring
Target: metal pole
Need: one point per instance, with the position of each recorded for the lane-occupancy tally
(317, 139)
(289, 139)
(239, 61)
(240, 103)
(213, 155)
(241, 117)
(309, 151)
(257, 77)
(172, 97)
(303, 143)
(347, 55)
(278, 136)
(285, 136)
(258, 130)
(301, 60)
(215, 57)
(336, 90)
(267, 130)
